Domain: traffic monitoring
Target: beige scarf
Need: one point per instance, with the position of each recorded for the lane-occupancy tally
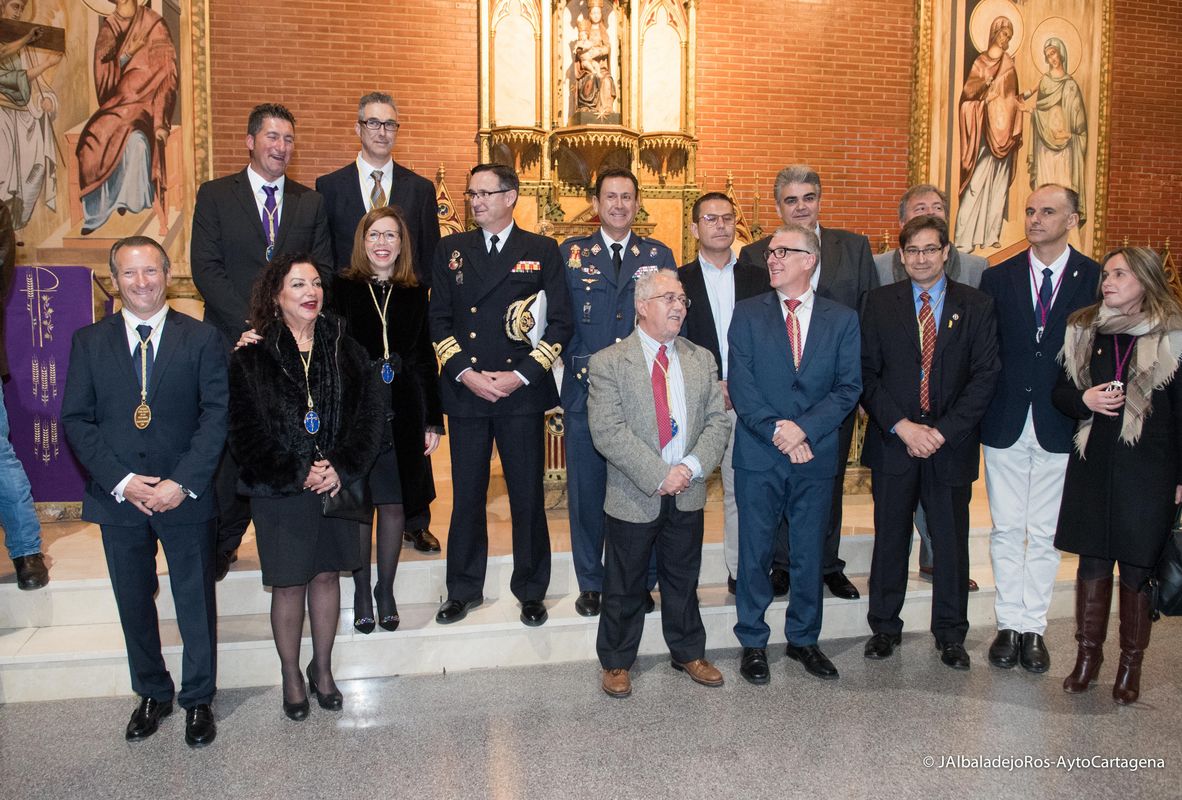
(1153, 364)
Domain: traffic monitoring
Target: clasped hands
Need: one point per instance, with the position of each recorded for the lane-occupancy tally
(491, 386)
(790, 439)
(922, 440)
(1102, 400)
(323, 478)
(149, 493)
(677, 480)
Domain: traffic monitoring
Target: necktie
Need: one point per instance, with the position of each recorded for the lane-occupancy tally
(492, 244)
(145, 333)
(927, 347)
(270, 217)
(1046, 291)
(793, 325)
(617, 259)
(661, 397)
(377, 197)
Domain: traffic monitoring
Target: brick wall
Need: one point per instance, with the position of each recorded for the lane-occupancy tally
(827, 83)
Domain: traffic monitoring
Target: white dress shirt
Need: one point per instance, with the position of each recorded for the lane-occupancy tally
(1056, 267)
(674, 452)
(257, 182)
(720, 291)
(365, 178)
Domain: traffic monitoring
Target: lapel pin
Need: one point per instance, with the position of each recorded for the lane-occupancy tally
(1075, 274)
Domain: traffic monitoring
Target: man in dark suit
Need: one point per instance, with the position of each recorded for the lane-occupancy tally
(714, 282)
(657, 416)
(495, 383)
(845, 274)
(374, 178)
(1027, 440)
(145, 413)
(600, 278)
(18, 516)
(794, 375)
(239, 223)
(929, 366)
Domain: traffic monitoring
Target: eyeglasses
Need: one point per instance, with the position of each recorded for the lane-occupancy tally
(782, 252)
(924, 252)
(390, 125)
(482, 194)
(714, 219)
(382, 236)
(668, 298)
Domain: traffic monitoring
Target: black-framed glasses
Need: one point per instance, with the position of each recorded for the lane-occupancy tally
(714, 219)
(669, 298)
(483, 194)
(921, 252)
(390, 125)
(782, 252)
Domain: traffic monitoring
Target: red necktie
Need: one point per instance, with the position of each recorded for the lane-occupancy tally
(793, 325)
(661, 397)
(927, 346)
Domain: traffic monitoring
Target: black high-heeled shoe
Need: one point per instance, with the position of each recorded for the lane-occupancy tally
(328, 701)
(363, 624)
(388, 621)
(297, 711)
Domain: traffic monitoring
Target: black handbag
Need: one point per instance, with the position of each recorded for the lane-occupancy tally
(1166, 584)
(353, 502)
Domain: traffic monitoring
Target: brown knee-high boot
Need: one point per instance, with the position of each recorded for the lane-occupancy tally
(1093, 598)
(1134, 638)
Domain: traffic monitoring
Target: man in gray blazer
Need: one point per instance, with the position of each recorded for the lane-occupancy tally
(960, 267)
(656, 414)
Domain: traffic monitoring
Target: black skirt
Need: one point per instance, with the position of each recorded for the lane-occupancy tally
(296, 542)
(385, 481)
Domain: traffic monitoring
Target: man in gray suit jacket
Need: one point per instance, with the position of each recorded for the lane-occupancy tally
(960, 267)
(656, 414)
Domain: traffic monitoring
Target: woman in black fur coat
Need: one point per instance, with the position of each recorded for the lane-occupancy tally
(306, 418)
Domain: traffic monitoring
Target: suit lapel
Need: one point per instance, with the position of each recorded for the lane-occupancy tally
(694, 384)
(1072, 282)
(830, 262)
(1023, 299)
(774, 319)
(120, 351)
(947, 328)
(905, 305)
(494, 270)
(353, 195)
(250, 207)
(291, 204)
(695, 287)
(170, 342)
(634, 357)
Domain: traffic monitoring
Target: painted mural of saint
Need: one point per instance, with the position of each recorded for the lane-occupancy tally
(28, 106)
(1060, 125)
(990, 135)
(121, 149)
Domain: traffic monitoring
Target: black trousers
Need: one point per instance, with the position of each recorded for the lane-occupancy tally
(676, 536)
(131, 563)
(520, 445)
(418, 519)
(830, 560)
(947, 510)
(233, 508)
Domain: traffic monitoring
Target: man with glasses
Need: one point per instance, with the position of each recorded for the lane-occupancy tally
(656, 414)
(929, 366)
(375, 179)
(240, 222)
(485, 319)
(602, 268)
(714, 282)
(844, 273)
(793, 376)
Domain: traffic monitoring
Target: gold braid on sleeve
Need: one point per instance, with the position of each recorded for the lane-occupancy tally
(546, 354)
(445, 349)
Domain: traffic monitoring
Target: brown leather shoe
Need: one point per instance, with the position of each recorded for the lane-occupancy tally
(617, 682)
(701, 670)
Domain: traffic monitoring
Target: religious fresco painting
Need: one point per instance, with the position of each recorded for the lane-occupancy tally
(1012, 95)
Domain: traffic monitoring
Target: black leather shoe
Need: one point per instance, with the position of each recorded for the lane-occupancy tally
(329, 701)
(841, 587)
(388, 616)
(454, 611)
(814, 661)
(364, 624)
(222, 562)
(422, 540)
(588, 604)
(533, 613)
(882, 645)
(953, 655)
(1034, 656)
(731, 586)
(753, 666)
(200, 729)
(146, 718)
(31, 572)
(1003, 652)
(299, 710)
(649, 604)
(780, 582)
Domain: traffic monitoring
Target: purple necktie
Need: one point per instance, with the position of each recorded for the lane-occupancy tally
(270, 218)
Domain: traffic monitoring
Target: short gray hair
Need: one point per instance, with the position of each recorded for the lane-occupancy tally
(644, 284)
(796, 173)
(375, 97)
(916, 191)
(811, 242)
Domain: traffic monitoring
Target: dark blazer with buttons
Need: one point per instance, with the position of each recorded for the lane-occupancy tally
(1029, 369)
(188, 397)
(413, 194)
(964, 372)
(847, 266)
(699, 325)
(471, 293)
(228, 248)
(603, 309)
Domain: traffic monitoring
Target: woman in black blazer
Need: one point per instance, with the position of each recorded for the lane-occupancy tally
(1124, 477)
(385, 309)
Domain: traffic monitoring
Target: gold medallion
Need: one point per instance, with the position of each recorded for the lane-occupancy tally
(143, 416)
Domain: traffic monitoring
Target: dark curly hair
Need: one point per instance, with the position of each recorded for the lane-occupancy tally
(264, 296)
